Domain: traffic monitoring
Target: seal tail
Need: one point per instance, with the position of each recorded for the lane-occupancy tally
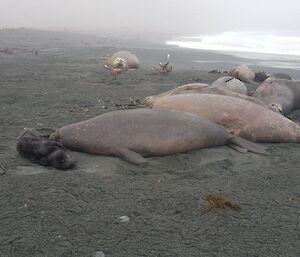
(242, 145)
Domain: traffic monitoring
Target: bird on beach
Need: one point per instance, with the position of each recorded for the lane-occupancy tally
(35, 52)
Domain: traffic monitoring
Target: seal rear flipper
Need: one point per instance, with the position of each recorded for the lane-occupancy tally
(238, 148)
(250, 146)
(130, 156)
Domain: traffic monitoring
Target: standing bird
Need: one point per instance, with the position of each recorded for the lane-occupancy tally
(35, 52)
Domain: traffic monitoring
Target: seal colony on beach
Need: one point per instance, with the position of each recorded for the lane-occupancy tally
(189, 117)
(135, 134)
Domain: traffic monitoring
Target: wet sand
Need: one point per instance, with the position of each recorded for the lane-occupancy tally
(47, 212)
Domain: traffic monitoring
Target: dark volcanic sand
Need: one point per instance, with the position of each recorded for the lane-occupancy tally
(47, 212)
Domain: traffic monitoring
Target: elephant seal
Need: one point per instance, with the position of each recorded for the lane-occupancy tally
(240, 117)
(243, 73)
(202, 89)
(44, 151)
(231, 84)
(282, 94)
(190, 87)
(132, 134)
(123, 60)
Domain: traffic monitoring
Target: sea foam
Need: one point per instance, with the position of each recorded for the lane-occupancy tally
(251, 42)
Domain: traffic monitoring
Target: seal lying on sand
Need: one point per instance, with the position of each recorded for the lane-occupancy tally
(132, 134)
(202, 89)
(121, 61)
(191, 87)
(240, 117)
(44, 151)
(231, 84)
(282, 94)
(243, 73)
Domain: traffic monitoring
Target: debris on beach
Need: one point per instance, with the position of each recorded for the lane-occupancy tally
(99, 254)
(163, 67)
(7, 51)
(3, 169)
(218, 72)
(218, 203)
(133, 104)
(124, 219)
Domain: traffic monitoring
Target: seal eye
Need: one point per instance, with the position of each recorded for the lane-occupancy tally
(276, 108)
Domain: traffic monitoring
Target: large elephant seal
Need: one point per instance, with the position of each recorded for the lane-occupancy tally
(282, 94)
(231, 84)
(243, 73)
(203, 89)
(132, 134)
(123, 60)
(240, 117)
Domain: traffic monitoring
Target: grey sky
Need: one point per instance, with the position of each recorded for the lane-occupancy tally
(186, 17)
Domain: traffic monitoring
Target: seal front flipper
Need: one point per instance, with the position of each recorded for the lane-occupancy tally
(130, 156)
(250, 146)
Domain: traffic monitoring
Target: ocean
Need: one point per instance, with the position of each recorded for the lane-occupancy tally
(273, 49)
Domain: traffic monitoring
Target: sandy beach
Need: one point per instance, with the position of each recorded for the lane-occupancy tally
(48, 212)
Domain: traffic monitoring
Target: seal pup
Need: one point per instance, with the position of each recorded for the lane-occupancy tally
(43, 151)
(282, 94)
(239, 116)
(243, 73)
(231, 84)
(135, 134)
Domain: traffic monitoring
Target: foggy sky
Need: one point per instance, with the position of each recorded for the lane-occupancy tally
(179, 17)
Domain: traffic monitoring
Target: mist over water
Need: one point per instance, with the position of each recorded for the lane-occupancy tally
(247, 42)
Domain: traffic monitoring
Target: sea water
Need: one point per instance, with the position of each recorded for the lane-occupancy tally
(274, 49)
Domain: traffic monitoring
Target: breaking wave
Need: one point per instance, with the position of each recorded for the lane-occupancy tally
(252, 42)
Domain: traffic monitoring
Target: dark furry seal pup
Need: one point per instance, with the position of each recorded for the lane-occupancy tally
(41, 150)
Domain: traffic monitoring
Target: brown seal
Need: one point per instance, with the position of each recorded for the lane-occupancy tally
(132, 134)
(231, 84)
(123, 60)
(243, 73)
(202, 89)
(240, 117)
(190, 87)
(282, 94)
